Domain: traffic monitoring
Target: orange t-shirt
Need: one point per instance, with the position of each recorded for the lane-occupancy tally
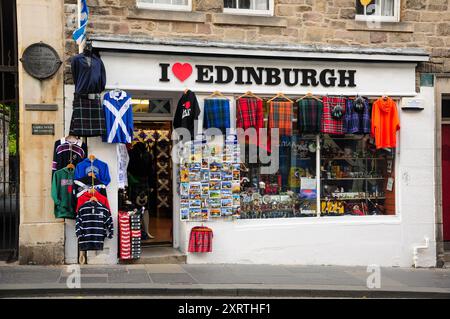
(385, 123)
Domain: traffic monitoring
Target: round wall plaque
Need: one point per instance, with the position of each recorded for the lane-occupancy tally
(40, 61)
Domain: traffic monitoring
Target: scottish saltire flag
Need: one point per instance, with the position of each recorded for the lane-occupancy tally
(80, 34)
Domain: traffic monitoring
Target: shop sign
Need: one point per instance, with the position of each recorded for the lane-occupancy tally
(412, 104)
(43, 129)
(249, 75)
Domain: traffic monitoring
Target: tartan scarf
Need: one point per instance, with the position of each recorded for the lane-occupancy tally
(216, 114)
(280, 116)
(249, 113)
(330, 125)
(309, 118)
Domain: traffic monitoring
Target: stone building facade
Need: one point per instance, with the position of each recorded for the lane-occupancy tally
(423, 24)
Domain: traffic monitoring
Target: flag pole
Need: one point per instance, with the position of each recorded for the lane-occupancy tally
(81, 45)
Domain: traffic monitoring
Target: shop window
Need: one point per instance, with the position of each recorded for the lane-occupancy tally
(154, 107)
(177, 5)
(378, 10)
(355, 177)
(250, 7)
(445, 109)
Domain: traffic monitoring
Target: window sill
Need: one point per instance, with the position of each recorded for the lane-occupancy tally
(249, 20)
(166, 15)
(373, 26)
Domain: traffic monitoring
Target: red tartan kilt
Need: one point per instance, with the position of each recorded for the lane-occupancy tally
(200, 240)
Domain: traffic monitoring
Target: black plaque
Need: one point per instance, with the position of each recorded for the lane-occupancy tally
(40, 61)
(43, 129)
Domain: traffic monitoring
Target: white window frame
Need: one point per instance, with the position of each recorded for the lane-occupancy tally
(380, 18)
(268, 12)
(168, 7)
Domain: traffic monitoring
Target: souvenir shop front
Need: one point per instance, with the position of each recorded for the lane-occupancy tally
(346, 179)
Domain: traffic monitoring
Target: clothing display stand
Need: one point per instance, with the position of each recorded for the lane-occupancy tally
(130, 234)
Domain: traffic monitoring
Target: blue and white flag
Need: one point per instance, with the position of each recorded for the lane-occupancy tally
(80, 34)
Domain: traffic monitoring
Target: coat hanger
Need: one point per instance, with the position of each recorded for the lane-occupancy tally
(280, 95)
(70, 165)
(250, 94)
(217, 93)
(310, 96)
(185, 90)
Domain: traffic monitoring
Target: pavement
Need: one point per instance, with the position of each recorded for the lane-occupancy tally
(229, 280)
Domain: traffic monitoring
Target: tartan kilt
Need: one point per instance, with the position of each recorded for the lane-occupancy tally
(200, 240)
(88, 118)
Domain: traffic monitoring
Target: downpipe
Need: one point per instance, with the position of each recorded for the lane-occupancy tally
(416, 250)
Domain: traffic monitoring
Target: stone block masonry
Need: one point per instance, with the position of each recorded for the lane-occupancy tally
(424, 24)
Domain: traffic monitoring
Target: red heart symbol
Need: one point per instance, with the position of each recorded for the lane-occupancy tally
(187, 105)
(182, 71)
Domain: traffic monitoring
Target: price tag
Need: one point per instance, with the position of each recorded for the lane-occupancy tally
(390, 184)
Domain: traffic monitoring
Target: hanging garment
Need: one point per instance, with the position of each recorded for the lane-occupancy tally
(66, 151)
(93, 224)
(122, 165)
(86, 196)
(309, 118)
(249, 113)
(200, 240)
(385, 123)
(98, 167)
(187, 112)
(357, 121)
(330, 124)
(118, 117)
(88, 73)
(88, 117)
(85, 184)
(62, 184)
(280, 116)
(216, 114)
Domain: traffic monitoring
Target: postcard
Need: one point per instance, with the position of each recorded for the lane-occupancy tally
(205, 214)
(215, 166)
(195, 213)
(227, 211)
(214, 203)
(236, 188)
(236, 175)
(184, 175)
(184, 214)
(214, 194)
(226, 193)
(215, 212)
(205, 163)
(204, 175)
(227, 202)
(215, 176)
(184, 189)
(226, 185)
(194, 176)
(214, 185)
(227, 176)
(236, 200)
(195, 188)
(226, 167)
(195, 203)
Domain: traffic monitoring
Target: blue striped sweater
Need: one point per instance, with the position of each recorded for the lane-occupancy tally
(93, 224)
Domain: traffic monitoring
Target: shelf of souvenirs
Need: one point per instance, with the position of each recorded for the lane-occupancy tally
(353, 199)
(351, 178)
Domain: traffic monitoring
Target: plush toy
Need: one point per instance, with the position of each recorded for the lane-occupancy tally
(357, 211)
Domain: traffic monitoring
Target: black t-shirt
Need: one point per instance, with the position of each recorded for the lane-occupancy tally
(187, 112)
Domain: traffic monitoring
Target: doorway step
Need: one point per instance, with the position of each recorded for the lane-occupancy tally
(447, 259)
(159, 255)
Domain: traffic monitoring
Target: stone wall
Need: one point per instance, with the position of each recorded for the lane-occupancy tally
(423, 23)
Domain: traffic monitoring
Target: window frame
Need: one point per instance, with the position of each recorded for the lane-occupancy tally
(380, 18)
(253, 12)
(167, 7)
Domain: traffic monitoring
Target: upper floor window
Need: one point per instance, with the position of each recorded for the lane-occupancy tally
(250, 7)
(378, 10)
(178, 5)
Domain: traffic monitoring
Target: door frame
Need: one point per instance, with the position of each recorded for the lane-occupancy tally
(442, 88)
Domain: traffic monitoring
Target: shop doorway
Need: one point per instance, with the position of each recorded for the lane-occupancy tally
(9, 132)
(150, 180)
(445, 138)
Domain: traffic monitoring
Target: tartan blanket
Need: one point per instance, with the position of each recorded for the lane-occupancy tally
(88, 118)
(216, 114)
(280, 116)
(309, 118)
(200, 240)
(331, 125)
(249, 113)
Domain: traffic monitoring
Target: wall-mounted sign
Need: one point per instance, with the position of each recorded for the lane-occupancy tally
(267, 76)
(412, 104)
(43, 129)
(41, 107)
(40, 61)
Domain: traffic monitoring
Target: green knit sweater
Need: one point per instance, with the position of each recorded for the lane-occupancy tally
(62, 185)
